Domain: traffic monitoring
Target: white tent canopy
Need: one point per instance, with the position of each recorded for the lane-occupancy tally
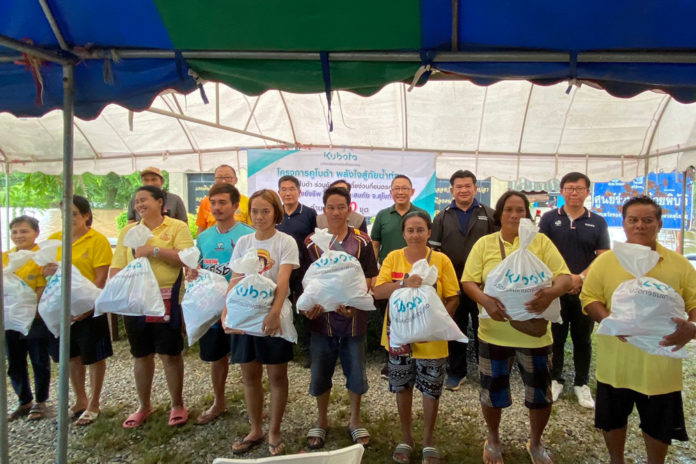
(509, 130)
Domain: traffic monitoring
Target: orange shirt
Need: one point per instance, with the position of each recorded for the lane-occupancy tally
(205, 218)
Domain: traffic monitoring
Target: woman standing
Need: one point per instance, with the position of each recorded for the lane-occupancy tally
(90, 340)
(279, 254)
(501, 341)
(161, 335)
(39, 342)
(424, 366)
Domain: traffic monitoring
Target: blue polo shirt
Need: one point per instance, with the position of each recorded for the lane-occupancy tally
(216, 248)
(299, 225)
(576, 240)
(462, 215)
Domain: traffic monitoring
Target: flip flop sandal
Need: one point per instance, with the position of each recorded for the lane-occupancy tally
(244, 446)
(402, 449)
(76, 414)
(537, 457)
(20, 411)
(319, 435)
(178, 416)
(431, 454)
(87, 418)
(495, 453)
(136, 419)
(359, 433)
(277, 449)
(208, 417)
(38, 411)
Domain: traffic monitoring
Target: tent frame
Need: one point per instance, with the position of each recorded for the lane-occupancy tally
(68, 57)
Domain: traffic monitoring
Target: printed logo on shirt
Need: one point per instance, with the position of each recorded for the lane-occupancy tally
(85, 255)
(220, 246)
(483, 218)
(397, 275)
(589, 225)
(558, 223)
(164, 236)
(265, 258)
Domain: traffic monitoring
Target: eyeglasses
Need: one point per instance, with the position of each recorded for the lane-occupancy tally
(288, 189)
(224, 178)
(575, 189)
(401, 189)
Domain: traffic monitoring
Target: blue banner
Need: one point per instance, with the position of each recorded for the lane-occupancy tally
(665, 188)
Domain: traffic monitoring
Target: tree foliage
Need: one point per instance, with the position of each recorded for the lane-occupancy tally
(38, 190)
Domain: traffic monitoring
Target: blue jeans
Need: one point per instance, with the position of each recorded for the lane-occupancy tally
(325, 350)
(37, 344)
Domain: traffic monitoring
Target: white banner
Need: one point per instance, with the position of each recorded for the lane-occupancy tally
(369, 173)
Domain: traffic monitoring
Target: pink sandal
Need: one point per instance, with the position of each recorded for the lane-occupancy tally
(136, 419)
(178, 416)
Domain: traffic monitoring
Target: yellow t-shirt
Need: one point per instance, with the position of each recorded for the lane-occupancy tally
(30, 272)
(393, 269)
(89, 252)
(205, 218)
(483, 258)
(172, 234)
(621, 364)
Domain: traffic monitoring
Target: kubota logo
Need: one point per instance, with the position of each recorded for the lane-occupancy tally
(409, 305)
(336, 156)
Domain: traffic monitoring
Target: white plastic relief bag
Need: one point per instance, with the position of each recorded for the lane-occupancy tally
(336, 278)
(249, 301)
(20, 303)
(518, 277)
(83, 294)
(418, 314)
(137, 236)
(134, 291)
(47, 252)
(190, 257)
(203, 303)
(642, 308)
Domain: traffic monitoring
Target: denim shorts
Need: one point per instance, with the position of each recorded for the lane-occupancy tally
(325, 350)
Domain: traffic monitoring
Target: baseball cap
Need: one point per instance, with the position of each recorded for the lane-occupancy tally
(151, 170)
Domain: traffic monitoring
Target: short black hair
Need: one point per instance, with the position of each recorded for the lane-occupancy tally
(574, 177)
(420, 214)
(642, 200)
(401, 176)
(336, 191)
(340, 181)
(83, 207)
(501, 204)
(462, 174)
(225, 188)
(24, 219)
(157, 194)
(292, 179)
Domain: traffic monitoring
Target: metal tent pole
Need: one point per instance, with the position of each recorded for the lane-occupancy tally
(66, 263)
(7, 205)
(4, 443)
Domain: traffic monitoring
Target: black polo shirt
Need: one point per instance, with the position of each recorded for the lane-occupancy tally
(576, 240)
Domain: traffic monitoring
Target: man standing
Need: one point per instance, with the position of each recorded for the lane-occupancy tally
(173, 204)
(626, 375)
(340, 334)
(299, 221)
(224, 174)
(216, 245)
(355, 219)
(455, 230)
(386, 232)
(580, 236)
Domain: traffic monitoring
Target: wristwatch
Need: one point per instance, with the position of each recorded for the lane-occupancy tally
(401, 284)
(155, 252)
(582, 276)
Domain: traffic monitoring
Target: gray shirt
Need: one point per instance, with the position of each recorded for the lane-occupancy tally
(173, 207)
